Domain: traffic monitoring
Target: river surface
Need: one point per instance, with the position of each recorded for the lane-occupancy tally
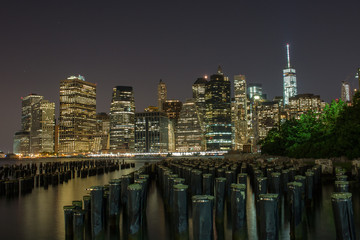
(40, 215)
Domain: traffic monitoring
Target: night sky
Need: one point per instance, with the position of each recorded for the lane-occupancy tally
(136, 43)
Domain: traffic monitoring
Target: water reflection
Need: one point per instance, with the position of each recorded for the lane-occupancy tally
(39, 214)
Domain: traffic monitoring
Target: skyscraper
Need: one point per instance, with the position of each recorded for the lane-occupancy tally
(289, 74)
(239, 114)
(21, 143)
(199, 88)
(189, 135)
(77, 115)
(27, 103)
(345, 92)
(172, 109)
(101, 139)
(42, 134)
(218, 112)
(122, 120)
(255, 91)
(22, 139)
(162, 95)
(37, 124)
(255, 96)
(151, 132)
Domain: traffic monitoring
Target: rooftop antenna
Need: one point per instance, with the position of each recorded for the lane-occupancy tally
(288, 54)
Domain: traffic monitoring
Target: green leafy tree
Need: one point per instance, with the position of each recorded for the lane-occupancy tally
(347, 131)
(334, 132)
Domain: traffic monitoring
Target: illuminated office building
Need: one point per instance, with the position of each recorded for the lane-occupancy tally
(26, 106)
(239, 113)
(218, 113)
(151, 132)
(289, 74)
(255, 91)
(122, 120)
(101, 138)
(303, 103)
(268, 116)
(38, 119)
(42, 134)
(162, 95)
(21, 144)
(172, 109)
(199, 88)
(189, 135)
(255, 96)
(77, 115)
(345, 92)
(151, 109)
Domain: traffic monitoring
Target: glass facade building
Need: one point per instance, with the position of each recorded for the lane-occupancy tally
(290, 88)
(255, 91)
(122, 120)
(198, 89)
(77, 115)
(21, 144)
(151, 132)
(289, 84)
(218, 113)
(345, 92)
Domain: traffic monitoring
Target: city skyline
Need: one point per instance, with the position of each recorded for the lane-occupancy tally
(44, 43)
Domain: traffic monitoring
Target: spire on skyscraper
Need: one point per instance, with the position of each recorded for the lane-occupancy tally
(288, 54)
(162, 94)
(220, 70)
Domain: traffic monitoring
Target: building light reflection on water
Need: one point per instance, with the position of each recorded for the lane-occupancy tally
(129, 155)
(174, 154)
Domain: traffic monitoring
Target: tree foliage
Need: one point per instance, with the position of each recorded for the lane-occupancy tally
(334, 132)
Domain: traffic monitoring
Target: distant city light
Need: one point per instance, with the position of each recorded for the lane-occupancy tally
(201, 153)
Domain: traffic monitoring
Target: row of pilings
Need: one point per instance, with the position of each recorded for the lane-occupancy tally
(207, 186)
(23, 178)
(97, 215)
(203, 193)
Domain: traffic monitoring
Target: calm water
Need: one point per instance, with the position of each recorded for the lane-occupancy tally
(39, 215)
